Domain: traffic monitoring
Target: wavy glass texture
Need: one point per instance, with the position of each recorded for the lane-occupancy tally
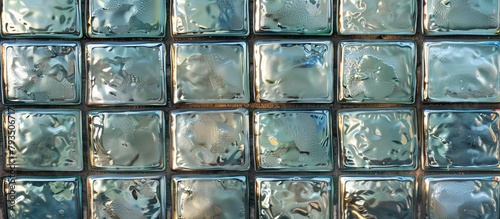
(294, 71)
(293, 140)
(294, 197)
(126, 73)
(210, 140)
(210, 72)
(461, 71)
(377, 72)
(43, 140)
(127, 141)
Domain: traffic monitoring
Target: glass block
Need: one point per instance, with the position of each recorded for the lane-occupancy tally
(41, 19)
(210, 140)
(126, 18)
(378, 139)
(127, 140)
(461, 71)
(461, 139)
(294, 197)
(461, 17)
(293, 140)
(294, 71)
(126, 73)
(43, 139)
(41, 72)
(43, 197)
(130, 196)
(377, 72)
(461, 197)
(210, 18)
(388, 197)
(293, 17)
(210, 196)
(210, 72)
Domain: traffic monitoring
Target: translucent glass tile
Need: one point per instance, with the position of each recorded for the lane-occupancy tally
(294, 197)
(126, 18)
(461, 71)
(294, 71)
(461, 139)
(210, 140)
(377, 72)
(41, 72)
(210, 196)
(210, 72)
(378, 139)
(43, 139)
(293, 140)
(126, 73)
(127, 140)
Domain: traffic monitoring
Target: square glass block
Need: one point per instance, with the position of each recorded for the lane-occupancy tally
(210, 18)
(294, 71)
(210, 72)
(294, 197)
(378, 139)
(41, 19)
(126, 18)
(294, 17)
(38, 72)
(387, 197)
(461, 140)
(127, 140)
(210, 196)
(210, 140)
(126, 73)
(127, 196)
(377, 72)
(43, 139)
(461, 17)
(293, 140)
(461, 71)
(43, 197)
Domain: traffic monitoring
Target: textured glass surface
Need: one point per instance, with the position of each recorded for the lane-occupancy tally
(126, 73)
(377, 71)
(127, 140)
(461, 139)
(210, 72)
(384, 197)
(293, 140)
(211, 17)
(210, 139)
(294, 197)
(43, 140)
(311, 17)
(461, 71)
(378, 139)
(131, 196)
(210, 196)
(294, 71)
(41, 72)
(377, 17)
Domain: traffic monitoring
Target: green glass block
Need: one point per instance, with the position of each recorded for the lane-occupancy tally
(210, 72)
(41, 19)
(377, 72)
(126, 18)
(127, 140)
(378, 139)
(294, 71)
(293, 140)
(43, 139)
(461, 71)
(41, 72)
